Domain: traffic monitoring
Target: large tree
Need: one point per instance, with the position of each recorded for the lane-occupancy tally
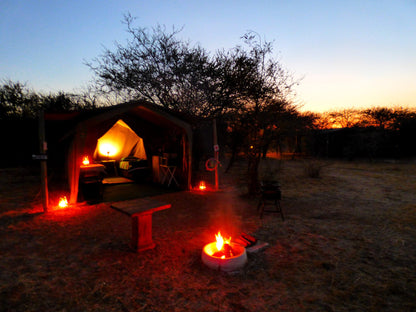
(157, 66)
(264, 89)
(245, 84)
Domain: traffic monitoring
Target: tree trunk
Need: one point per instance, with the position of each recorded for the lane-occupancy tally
(253, 174)
(233, 157)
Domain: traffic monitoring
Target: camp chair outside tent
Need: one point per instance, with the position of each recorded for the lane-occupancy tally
(270, 195)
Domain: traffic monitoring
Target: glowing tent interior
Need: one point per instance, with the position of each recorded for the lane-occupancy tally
(119, 142)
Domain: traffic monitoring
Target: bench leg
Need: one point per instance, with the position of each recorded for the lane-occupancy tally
(142, 232)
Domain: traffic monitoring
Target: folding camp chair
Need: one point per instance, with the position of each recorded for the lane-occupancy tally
(270, 195)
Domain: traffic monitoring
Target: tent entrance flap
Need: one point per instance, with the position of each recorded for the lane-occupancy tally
(119, 142)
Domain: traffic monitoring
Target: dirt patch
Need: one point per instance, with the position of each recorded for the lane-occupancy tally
(348, 244)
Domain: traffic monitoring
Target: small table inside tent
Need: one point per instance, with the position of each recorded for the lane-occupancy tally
(92, 173)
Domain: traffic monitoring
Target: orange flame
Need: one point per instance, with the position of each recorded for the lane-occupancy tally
(221, 241)
(202, 186)
(63, 202)
(86, 161)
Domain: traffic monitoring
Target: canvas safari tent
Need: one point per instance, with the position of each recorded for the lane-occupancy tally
(137, 129)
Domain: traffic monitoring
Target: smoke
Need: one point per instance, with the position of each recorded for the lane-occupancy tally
(224, 214)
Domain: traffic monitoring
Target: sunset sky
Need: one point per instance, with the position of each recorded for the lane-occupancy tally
(348, 54)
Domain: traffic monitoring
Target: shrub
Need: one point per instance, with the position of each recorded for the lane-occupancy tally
(313, 168)
(269, 169)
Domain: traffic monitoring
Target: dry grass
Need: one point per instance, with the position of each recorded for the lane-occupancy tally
(348, 244)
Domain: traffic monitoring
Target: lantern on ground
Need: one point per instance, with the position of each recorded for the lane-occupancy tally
(202, 186)
(63, 202)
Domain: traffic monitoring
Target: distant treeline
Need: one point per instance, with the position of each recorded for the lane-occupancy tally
(378, 132)
(350, 133)
(392, 118)
(17, 101)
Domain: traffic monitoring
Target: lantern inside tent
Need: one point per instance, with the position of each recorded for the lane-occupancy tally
(86, 161)
(107, 149)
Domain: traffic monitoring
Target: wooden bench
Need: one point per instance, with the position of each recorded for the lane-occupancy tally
(141, 210)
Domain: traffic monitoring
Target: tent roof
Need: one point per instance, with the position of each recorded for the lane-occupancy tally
(155, 114)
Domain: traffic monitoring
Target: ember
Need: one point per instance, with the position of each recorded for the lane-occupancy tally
(226, 252)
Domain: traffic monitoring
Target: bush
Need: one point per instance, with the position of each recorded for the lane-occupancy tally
(313, 168)
(269, 169)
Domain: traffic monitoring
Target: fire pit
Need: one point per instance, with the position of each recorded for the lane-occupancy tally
(224, 255)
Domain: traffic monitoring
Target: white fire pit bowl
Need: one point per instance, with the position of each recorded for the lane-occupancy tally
(228, 264)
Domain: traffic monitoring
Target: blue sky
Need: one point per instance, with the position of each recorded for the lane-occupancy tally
(348, 54)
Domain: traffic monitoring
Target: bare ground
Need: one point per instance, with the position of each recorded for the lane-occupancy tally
(348, 244)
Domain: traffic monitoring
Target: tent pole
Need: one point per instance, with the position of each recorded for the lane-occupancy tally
(216, 152)
(189, 147)
(43, 166)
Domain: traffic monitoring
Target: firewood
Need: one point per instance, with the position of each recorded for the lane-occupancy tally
(241, 242)
(248, 237)
(228, 251)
